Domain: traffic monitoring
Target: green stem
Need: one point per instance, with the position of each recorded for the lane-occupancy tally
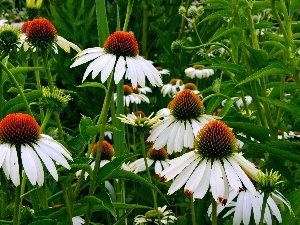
(214, 95)
(263, 209)
(142, 140)
(5, 222)
(214, 212)
(47, 69)
(38, 80)
(128, 13)
(67, 203)
(46, 118)
(59, 127)
(18, 87)
(102, 123)
(194, 222)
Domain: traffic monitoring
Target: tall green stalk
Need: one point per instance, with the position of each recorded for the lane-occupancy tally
(102, 123)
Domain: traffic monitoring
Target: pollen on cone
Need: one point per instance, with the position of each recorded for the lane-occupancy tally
(107, 151)
(41, 33)
(186, 105)
(215, 140)
(18, 129)
(121, 43)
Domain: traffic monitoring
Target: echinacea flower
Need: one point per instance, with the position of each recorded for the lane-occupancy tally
(171, 89)
(120, 56)
(22, 145)
(157, 157)
(151, 217)
(41, 34)
(132, 96)
(198, 71)
(179, 129)
(245, 203)
(77, 220)
(192, 87)
(162, 71)
(214, 163)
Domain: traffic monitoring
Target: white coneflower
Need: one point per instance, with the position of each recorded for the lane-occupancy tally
(171, 89)
(132, 96)
(119, 55)
(22, 145)
(157, 157)
(179, 129)
(41, 34)
(214, 165)
(198, 71)
(239, 102)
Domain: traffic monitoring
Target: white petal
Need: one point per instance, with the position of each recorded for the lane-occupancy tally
(171, 132)
(182, 177)
(158, 167)
(196, 177)
(203, 187)
(246, 209)
(4, 148)
(159, 128)
(233, 179)
(217, 181)
(120, 70)
(86, 58)
(134, 69)
(29, 164)
(108, 68)
(14, 166)
(256, 206)
(47, 161)
(238, 214)
(274, 209)
(188, 139)
(243, 177)
(6, 163)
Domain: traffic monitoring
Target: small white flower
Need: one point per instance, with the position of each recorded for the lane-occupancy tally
(77, 220)
(239, 102)
(171, 89)
(157, 157)
(199, 72)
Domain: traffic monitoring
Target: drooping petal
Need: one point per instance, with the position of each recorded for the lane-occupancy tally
(14, 166)
(108, 68)
(120, 69)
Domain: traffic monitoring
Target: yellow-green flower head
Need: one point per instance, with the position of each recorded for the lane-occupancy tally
(33, 8)
(268, 181)
(56, 100)
(9, 38)
(177, 46)
(141, 123)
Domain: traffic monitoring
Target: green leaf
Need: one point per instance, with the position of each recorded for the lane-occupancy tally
(295, 4)
(231, 67)
(274, 44)
(257, 57)
(272, 69)
(288, 106)
(85, 122)
(30, 96)
(122, 174)
(288, 217)
(282, 153)
(227, 106)
(76, 144)
(218, 15)
(224, 32)
(103, 200)
(122, 218)
(105, 171)
(44, 222)
(258, 132)
(94, 130)
(92, 84)
(18, 70)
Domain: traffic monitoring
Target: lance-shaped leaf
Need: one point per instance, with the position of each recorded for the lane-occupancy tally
(92, 84)
(288, 106)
